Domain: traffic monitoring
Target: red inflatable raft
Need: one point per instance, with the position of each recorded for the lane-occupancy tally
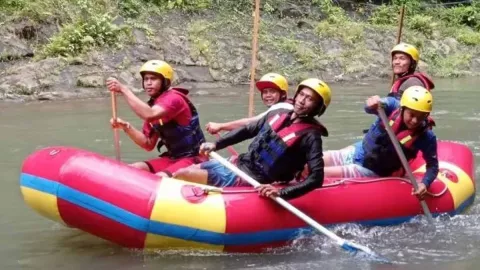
(136, 209)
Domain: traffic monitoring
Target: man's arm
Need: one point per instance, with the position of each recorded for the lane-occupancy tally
(244, 133)
(147, 143)
(390, 104)
(141, 108)
(428, 147)
(229, 126)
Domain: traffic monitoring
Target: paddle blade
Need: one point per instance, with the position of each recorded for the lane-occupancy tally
(364, 252)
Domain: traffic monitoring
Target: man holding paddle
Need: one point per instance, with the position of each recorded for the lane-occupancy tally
(170, 120)
(405, 59)
(375, 154)
(284, 141)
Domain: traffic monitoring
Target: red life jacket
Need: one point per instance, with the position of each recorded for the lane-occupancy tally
(426, 81)
(293, 132)
(180, 141)
(270, 145)
(406, 137)
(380, 155)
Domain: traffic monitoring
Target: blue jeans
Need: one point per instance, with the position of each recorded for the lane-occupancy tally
(220, 176)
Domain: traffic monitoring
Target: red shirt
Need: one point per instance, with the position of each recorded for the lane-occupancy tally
(176, 108)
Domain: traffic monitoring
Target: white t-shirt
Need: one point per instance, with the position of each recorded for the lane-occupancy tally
(280, 105)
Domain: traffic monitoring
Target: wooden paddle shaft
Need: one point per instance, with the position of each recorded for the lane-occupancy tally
(256, 19)
(116, 136)
(403, 159)
(399, 34)
(340, 241)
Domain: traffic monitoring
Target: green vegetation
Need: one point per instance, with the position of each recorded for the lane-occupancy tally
(84, 25)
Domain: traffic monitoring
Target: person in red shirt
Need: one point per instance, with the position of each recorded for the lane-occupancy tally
(170, 120)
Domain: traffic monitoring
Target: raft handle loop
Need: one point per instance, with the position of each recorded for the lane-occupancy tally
(199, 191)
(344, 181)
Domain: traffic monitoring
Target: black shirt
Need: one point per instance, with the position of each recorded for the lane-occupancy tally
(307, 150)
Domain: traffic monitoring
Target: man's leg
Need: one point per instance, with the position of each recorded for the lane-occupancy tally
(192, 173)
(211, 173)
(348, 171)
(333, 161)
(337, 157)
(156, 165)
(341, 165)
(141, 165)
(179, 164)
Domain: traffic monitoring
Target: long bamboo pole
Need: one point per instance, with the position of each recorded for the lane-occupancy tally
(256, 20)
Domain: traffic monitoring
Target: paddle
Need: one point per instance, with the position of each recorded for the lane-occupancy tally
(353, 248)
(116, 137)
(403, 159)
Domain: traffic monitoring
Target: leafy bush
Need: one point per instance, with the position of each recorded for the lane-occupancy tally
(383, 15)
(82, 35)
(462, 15)
(186, 5)
(468, 37)
(423, 24)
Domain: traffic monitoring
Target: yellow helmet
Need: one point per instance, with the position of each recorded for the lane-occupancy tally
(319, 87)
(272, 80)
(407, 49)
(417, 98)
(158, 67)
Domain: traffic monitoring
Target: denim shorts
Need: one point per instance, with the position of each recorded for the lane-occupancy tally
(344, 158)
(221, 176)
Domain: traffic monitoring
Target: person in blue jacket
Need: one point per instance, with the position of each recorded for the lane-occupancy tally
(375, 155)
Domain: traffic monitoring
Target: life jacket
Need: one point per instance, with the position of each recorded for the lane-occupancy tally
(426, 81)
(270, 145)
(380, 155)
(394, 91)
(180, 141)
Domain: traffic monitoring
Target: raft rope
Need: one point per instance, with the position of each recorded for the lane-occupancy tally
(206, 191)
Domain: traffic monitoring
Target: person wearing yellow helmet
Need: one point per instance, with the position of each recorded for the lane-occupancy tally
(405, 59)
(274, 90)
(284, 141)
(375, 155)
(170, 120)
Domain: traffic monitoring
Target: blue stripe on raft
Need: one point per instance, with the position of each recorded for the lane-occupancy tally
(127, 218)
(85, 201)
(187, 233)
(38, 183)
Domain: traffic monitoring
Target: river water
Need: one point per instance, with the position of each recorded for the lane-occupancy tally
(29, 241)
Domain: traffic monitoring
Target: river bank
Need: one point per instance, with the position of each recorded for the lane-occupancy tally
(59, 57)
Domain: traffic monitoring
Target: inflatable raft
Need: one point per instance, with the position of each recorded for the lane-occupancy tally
(136, 209)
